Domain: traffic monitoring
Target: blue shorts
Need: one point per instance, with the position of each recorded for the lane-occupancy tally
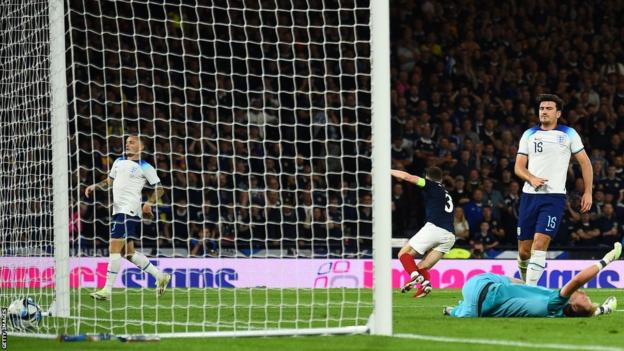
(468, 307)
(124, 226)
(540, 213)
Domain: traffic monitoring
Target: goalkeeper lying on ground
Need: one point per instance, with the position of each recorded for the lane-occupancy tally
(491, 295)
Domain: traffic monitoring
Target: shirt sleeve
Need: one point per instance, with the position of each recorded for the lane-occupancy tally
(150, 174)
(523, 148)
(113, 171)
(576, 144)
(556, 303)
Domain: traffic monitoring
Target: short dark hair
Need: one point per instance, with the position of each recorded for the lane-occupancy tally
(141, 139)
(434, 173)
(551, 97)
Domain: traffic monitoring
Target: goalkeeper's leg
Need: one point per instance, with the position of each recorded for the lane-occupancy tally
(139, 260)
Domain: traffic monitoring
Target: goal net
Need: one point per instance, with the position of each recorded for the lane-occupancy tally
(31, 210)
(256, 116)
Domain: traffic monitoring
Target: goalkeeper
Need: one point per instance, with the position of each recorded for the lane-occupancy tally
(491, 295)
(128, 176)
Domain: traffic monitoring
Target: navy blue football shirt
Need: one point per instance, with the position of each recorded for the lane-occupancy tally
(438, 205)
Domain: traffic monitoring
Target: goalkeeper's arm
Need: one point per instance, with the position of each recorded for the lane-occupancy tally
(590, 272)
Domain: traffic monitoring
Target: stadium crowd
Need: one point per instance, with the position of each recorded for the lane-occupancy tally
(263, 146)
(465, 79)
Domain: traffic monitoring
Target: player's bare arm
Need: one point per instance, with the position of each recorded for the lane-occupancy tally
(588, 179)
(103, 185)
(405, 176)
(590, 272)
(153, 200)
(523, 173)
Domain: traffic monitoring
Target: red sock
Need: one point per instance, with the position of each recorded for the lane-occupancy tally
(424, 272)
(408, 263)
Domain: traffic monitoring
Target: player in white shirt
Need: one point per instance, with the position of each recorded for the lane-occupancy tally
(546, 148)
(128, 176)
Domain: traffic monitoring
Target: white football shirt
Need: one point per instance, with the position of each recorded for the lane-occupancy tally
(129, 178)
(549, 154)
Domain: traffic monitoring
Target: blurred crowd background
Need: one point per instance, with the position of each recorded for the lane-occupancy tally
(258, 120)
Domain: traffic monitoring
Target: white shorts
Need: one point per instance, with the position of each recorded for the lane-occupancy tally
(430, 236)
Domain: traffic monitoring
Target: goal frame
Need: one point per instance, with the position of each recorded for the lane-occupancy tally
(380, 322)
(60, 167)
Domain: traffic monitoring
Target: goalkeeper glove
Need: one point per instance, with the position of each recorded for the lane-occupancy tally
(608, 306)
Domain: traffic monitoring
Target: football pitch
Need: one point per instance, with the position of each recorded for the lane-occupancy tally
(418, 323)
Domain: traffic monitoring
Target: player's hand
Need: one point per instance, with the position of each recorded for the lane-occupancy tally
(147, 211)
(586, 202)
(89, 190)
(537, 182)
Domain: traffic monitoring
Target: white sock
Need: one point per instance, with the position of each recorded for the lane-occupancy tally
(114, 260)
(142, 262)
(536, 266)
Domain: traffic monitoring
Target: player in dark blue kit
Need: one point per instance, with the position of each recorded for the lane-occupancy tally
(435, 238)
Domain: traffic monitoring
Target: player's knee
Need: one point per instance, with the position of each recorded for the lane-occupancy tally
(524, 254)
(424, 265)
(404, 250)
(541, 243)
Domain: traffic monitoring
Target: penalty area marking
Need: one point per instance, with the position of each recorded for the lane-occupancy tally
(508, 343)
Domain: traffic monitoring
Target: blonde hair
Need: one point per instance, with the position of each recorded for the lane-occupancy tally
(579, 310)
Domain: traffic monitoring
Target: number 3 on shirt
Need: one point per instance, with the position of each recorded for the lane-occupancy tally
(449, 203)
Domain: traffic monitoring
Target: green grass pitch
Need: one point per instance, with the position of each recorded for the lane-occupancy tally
(418, 323)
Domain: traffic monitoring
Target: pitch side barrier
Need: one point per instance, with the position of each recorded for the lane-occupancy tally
(18, 272)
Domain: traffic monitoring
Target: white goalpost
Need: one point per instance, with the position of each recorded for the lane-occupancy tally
(33, 157)
(268, 124)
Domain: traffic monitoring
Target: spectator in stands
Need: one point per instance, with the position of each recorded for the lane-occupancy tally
(586, 232)
(400, 210)
(485, 236)
(462, 229)
(495, 225)
(400, 154)
(289, 226)
(365, 222)
(471, 83)
(611, 183)
(424, 148)
(596, 209)
(464, 165)
(474, 210)
(608, 225)
(319, 232)
(493, 198)
(445, 157)
(474, 181)
(459, 194)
